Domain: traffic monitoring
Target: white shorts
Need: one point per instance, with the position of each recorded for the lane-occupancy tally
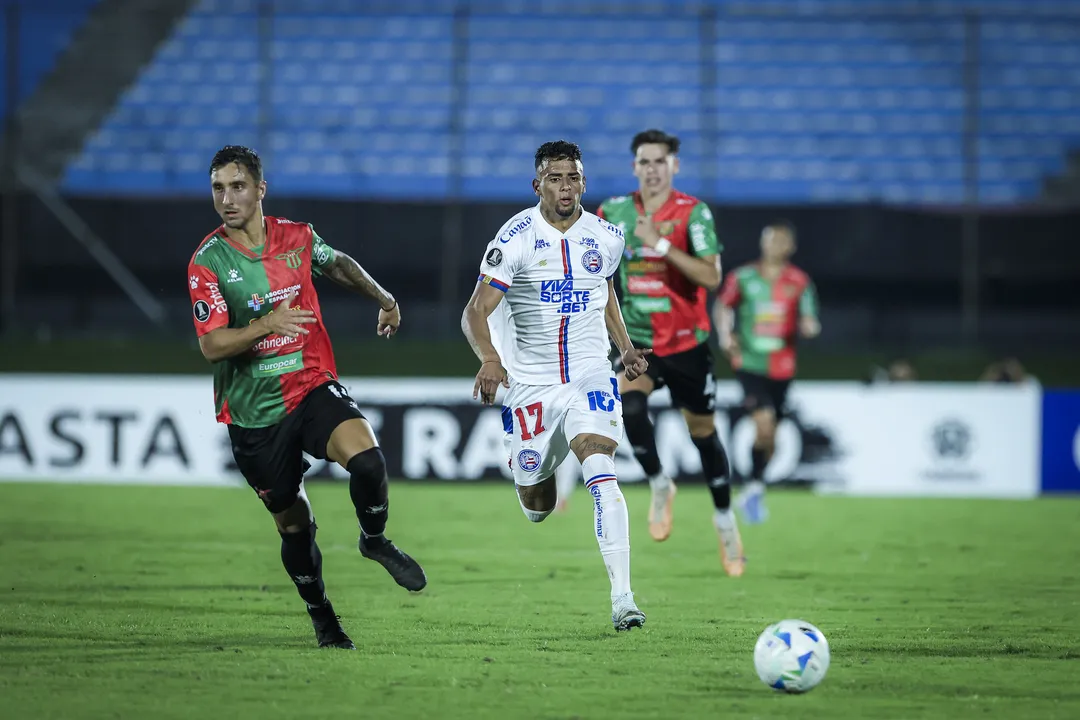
(542, 420)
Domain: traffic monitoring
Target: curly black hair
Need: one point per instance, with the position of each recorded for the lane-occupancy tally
(243, 156)
(557, 150)
(657, 137)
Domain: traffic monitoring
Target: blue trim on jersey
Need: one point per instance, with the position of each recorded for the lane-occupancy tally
(497, 284)
(564, 352)
(568, 271)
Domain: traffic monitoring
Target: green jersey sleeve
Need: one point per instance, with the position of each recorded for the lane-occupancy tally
(321, 253)
(808, 301)
(703, 240)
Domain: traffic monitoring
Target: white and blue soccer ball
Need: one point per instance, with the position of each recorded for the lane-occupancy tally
(792, 656)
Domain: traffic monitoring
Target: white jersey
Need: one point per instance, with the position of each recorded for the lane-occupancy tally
(553, 329)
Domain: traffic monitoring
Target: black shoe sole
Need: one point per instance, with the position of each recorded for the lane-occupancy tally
(410, 584)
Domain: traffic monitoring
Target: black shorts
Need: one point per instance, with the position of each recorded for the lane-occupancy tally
(270, 458)
(688, 376)
(760, 392)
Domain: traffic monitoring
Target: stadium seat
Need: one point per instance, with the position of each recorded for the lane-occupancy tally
(794, 107)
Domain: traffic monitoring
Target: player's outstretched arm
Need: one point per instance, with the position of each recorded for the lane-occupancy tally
(474, 323)
(348, 273)
(633, 359)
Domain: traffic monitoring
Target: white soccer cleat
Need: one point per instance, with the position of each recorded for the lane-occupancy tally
(625, 613)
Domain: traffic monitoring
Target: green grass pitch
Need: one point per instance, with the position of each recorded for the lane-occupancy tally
(168, 602)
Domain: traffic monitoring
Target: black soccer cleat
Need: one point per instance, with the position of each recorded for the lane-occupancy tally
(406, 572)
(328, 630)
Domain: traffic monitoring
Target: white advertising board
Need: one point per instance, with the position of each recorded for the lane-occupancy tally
(920, 439)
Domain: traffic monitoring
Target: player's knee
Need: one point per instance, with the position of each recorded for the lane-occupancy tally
(538, 501)
(700, 426)
(291, 512)
(368, 467)
(765, 424)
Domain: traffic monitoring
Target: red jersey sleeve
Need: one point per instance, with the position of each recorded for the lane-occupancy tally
(730, 294)
(208, 307)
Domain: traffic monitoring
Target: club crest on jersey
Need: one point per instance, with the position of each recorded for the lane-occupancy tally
(592, 261)
(529, 460)
(256, 302)
(667, 227)
(292, 258)
(494, 257)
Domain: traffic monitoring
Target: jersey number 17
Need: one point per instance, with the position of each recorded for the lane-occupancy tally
(536, 410)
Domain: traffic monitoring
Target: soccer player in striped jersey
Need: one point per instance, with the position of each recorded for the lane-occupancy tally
(761, 311)
(257, 317)
(550, 270)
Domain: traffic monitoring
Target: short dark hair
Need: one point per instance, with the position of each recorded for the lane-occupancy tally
(557, 150)
(783, 224)
(657, 137)
(240, 155)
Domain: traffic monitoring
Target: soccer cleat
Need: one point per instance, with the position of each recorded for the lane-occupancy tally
(406, 572)
(752, 505)
(731, 550)
(625, 614)
(328, 630)
(660, 511)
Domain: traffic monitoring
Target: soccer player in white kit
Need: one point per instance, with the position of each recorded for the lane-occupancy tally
(553, 263)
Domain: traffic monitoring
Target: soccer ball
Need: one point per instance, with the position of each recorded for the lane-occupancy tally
(791, 656)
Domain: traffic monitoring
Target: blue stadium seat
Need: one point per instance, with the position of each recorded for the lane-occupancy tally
(798, 106)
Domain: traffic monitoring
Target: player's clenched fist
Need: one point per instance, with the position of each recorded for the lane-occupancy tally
(634, 362)
(288, 318)
(389, 320)
(492, 374)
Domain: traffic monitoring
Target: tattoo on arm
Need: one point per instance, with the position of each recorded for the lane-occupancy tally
(348, 273)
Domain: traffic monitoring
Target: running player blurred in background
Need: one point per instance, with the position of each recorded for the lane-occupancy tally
(760, 312)
(672, 262)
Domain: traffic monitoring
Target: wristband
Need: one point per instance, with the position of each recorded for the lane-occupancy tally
(389, 308)
(663, 245)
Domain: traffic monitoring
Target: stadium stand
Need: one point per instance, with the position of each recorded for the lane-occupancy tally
(772, 107)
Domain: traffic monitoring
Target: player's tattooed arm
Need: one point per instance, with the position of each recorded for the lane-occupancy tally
(350, 274)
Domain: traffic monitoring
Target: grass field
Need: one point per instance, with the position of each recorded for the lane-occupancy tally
(139, 602)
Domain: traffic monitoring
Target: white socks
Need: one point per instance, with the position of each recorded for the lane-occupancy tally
(660, 481)
(755, 486)
(724, 520)
(612, 521)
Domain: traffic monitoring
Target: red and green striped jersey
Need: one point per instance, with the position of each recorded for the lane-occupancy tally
(767, 317)
(662, 308)
(232, 286)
